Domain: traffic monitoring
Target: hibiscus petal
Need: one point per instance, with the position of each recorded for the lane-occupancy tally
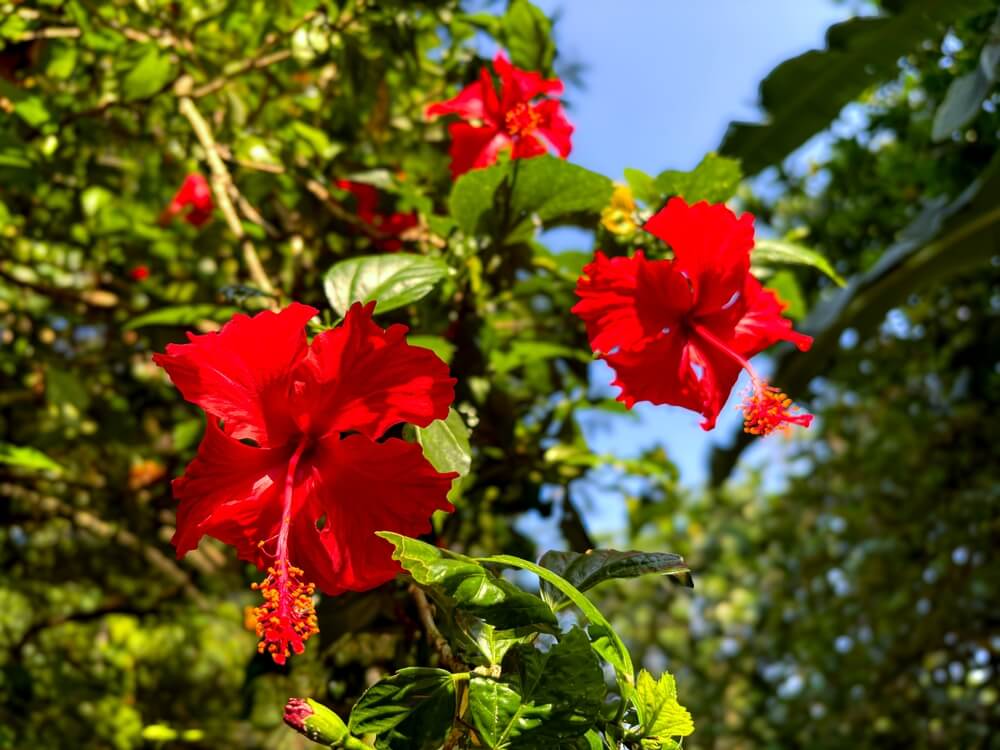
(359, 487)
(469, 103)
(361, 377)
(241, 374)
(763, 325)
(711, 247)
(676, 370)
(474, 147)
(625, 302)
(520, 85)
(230, 491)
(554, 126)
(528, 146)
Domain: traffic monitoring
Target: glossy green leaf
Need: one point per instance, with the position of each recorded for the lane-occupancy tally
(781, 253)
(586, 570)
(603, 637)
(660, 715)
(26, 457)
(506, 198)
(469, 585)
(394, 280)
(446, 444)
(146, 77)
(786, 286)
(804, 94)
(715, 180)
(643, 186)
(542, 697)
(437, 344)
(413, 709)
(182, 315)
(524, 352)
(967, 93)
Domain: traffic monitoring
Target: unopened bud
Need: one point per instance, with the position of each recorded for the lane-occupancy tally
(320, 724)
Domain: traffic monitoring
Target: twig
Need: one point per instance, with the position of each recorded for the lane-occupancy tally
(246, 66)
(222, 185)
(434, 637)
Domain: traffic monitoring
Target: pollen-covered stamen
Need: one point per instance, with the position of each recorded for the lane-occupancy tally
(287, 618)
(521, 120)
(765, 408)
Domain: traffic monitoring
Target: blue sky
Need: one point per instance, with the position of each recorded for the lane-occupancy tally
(662, 80)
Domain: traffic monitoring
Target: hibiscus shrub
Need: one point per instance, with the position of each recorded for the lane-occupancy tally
(343, 208)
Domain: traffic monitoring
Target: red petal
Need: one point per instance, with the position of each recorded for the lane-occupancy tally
(676, 370)
(554, 126)
(528, 146)
(477, 101)
(362, 487)
(520, 85)
(365, 198)
(242, 373)
(625, 302)
(711, 247)
(763, 325)
(474, 147)
(361, 377)
(231, 491)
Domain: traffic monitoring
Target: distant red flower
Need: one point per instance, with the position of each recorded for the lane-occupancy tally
(300, 474)
(493, 121)
(194, 195)
(139, 273)
(386, 228)
(679, 331)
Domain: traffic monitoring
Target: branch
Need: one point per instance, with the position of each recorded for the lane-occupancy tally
(222, 184)
(434, 637)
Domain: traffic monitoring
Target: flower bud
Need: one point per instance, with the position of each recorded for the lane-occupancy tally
(320, 724)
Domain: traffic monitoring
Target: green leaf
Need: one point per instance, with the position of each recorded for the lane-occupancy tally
(586, 570)
(26, 457)
(394, 280)
(182, 315)
(526, 32)
(316, 141)
(413, 709)
(544, 696)
(446, 444)
(966, 94)
(804, 94)
(784, 284)
(660, 715)
(149, 75)
(715, 180)
(469, 585)
(503, 199)
(782, 253)
(28, 107)
(603, 637)
(643, 186)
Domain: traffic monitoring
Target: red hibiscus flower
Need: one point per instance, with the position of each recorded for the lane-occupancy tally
(300, 474)
(194, 196)
(492, 121)
(679, 331)
(139, 273)
(386, 229)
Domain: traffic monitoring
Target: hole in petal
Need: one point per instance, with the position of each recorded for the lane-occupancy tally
(321, 522)
(699, 370)
(665, 329)
(248, 441)
(732, 301)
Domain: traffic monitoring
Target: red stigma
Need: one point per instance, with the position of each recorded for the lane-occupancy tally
(766, 409)
(521, 120)
(287, 618)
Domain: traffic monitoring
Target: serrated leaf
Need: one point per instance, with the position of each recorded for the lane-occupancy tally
(26, 457)
(446, 444)
(146, 77)
(715, 180)
(393, 280)
(413, 709)
(586, 570)
(469, 586)
(503, 199)
(182, 315)
(660, 715)
(782, 253)
(804, 94)
(543, 697)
